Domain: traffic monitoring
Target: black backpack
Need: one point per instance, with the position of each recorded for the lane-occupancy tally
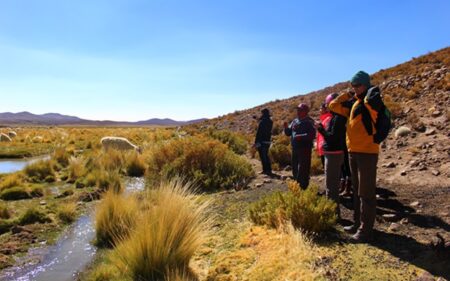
(383, 124)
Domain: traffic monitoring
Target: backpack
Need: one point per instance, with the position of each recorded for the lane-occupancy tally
(383, 124)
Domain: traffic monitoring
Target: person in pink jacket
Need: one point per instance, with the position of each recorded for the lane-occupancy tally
(325, 117)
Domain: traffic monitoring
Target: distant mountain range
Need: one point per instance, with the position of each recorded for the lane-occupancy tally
(27, 118)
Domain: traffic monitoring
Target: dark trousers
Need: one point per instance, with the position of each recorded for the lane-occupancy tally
(301, 165)
(265, 160)
(345, 168)
(364, 175)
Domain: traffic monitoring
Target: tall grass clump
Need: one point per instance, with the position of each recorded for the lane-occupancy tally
(76, 168)
(15, 193)
(207, 162)
(34, 215)
(4, 212)
(238, 144)
(304, 209)
(67, 212)
(110, 159)
(116, 217)
(61, 156)
(135, 165)
(167, 235)
(40, 171)
(109, 180)
(11, 180)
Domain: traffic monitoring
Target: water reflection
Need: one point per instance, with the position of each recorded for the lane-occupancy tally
(14, 165)
(73, 252)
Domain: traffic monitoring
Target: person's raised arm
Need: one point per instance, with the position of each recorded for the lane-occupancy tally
(337, 106)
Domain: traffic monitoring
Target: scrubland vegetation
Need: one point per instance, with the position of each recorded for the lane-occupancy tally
(171, 232)
(303, 209)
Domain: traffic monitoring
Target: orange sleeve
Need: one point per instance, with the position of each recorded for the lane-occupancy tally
(336, 106)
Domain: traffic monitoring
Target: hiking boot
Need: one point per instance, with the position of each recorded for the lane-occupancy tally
(351, 228)
(362, 237)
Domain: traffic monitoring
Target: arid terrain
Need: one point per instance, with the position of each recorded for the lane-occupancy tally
(111, 199)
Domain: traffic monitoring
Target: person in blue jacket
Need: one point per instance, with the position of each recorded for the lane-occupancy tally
(302, 132)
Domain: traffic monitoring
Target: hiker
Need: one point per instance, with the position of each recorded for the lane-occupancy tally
(324, 117)
(262, 140)
(363, 153)
(302, 133)
(332, 129)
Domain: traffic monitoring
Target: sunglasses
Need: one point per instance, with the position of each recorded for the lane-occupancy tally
(356, 85)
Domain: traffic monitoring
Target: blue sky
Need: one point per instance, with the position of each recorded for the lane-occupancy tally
(138, 59)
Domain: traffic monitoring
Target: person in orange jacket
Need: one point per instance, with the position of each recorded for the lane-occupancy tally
(363, 154)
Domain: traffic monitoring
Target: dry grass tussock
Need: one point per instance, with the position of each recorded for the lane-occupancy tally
(167, 235)
(268, 254)
(115, 218)
(61, 156)
(76, 168)
(67, 212)
(40, 171)
(135, 164)
(4, 211)
(11, 180)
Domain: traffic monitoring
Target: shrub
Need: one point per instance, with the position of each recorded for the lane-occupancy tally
(11, 181)
(305, 209)
(393, 106)
(67, 212)
(206, 162)
(15, 193)
(33, 215)
(115, 218)
(135, 165)
(238, 144)
(167, 236)
(40, 170)
(280, 151)
(316, 163)
(76, 168)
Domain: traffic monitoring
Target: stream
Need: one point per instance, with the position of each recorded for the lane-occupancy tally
(70, 255)
(14, 165)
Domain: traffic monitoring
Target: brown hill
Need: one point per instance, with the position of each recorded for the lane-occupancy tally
(418, 94)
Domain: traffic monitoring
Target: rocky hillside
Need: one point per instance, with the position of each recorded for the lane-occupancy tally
(418, 94)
